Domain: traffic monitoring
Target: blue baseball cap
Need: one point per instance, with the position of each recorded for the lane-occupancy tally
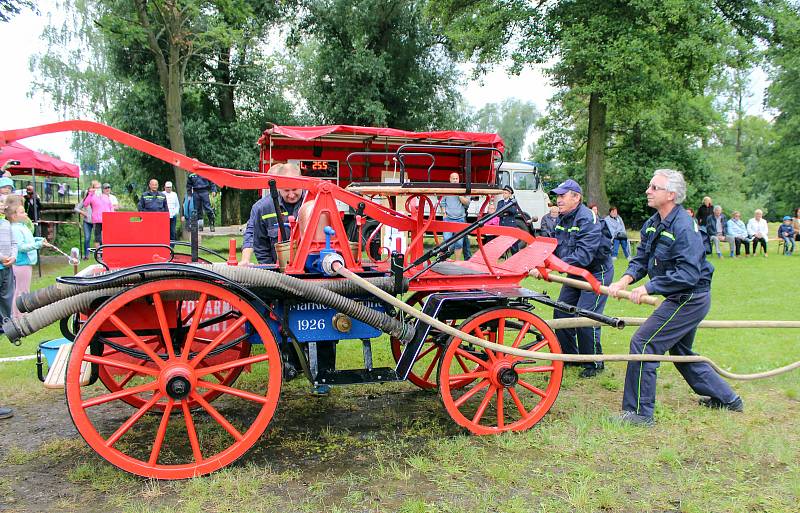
(6, 182)
(787, 218)
(567, 185)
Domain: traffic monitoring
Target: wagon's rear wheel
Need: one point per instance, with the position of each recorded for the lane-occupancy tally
(490, 392)
(176, 442)
(423, 372)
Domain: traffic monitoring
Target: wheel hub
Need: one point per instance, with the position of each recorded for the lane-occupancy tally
(507, 377)
(178, 388)
(177, 382)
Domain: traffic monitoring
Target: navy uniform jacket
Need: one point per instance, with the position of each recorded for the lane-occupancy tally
(261, 232)
(197, 183)
(583, 240)
(672, 254)
(509, 217)
(153, 202)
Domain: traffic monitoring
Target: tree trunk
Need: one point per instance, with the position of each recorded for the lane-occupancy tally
(595, 153)
(231, 206)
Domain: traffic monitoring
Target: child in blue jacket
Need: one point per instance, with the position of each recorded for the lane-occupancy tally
(786, 232)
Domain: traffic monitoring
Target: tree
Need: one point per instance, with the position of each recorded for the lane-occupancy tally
(375, 63)
(512, 119)
(10, 8)
(620, 56)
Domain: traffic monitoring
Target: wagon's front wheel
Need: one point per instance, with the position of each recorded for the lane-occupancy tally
(175, 442)
(490, 392)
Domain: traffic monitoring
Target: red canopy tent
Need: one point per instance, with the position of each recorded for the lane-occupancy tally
(33, 161)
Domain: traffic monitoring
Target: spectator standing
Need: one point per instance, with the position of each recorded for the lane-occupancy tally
(549, 222)
(113, 199)
(758, 229)
(495, 221)
(690, 211)
(199, 188)
(85, 212)
(509, 217)
(705, 210)
(100, 204)
(618, 233)
(716, 227)
(786, 232)
(174, 207)
(8, 255)
(62, 191)
(455, 211)
(153, 200)
(737, 234)
(33, 206)
(27, 250)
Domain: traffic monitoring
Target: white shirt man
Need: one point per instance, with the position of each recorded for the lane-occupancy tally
(174, 206)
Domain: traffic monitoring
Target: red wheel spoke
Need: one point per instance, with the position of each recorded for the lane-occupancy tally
(425, 352)
(461, 363)
(102, 360)
(199, 307)
(191, 432)
(538, 345)
(535, 390)
(216, 415)
(233, 363)
(480, 334)
(94, 401)
(518, 402)
(500, 412)
(484, 403)
(521, 334)
(161, 433)
(233, 391)
(124, 328)
(474, 390)
(218, 340)
(475, 359)
(540, 368)
(128, 424)
(501, 331)
(127, 378)
(464, 379)
(162, 321)
(218, 375)
(430, 368)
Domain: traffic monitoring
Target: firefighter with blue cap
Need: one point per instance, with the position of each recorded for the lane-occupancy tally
(198, 188)
(672, 254)
(583, 241)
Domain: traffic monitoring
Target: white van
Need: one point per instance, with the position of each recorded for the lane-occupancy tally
(524, 178)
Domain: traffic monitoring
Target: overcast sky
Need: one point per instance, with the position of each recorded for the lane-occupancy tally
(21, 39)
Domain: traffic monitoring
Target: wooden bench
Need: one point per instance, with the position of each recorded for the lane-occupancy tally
(57, 373)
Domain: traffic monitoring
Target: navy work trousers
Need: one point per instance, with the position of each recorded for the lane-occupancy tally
(583, 340)
(203, 204)
(671, 327)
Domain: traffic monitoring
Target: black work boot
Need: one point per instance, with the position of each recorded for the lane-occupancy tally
(736, 405)
(592, 370)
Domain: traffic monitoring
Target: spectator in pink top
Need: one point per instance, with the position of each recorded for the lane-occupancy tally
(99, 203)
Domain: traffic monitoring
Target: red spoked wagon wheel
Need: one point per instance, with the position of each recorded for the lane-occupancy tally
(423, 372)
(215, 317)
(490, 392)
(156, 446)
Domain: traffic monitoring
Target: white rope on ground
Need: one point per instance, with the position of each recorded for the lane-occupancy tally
(18, 358)
(410, 310)
(581, 322)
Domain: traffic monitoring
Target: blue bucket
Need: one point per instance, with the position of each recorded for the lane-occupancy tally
(49, 348)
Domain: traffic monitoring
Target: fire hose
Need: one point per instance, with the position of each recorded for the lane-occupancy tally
(537, 355)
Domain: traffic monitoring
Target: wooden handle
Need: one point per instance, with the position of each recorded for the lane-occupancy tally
(624, 294)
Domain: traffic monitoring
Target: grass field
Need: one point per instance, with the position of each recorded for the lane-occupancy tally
(393, 448)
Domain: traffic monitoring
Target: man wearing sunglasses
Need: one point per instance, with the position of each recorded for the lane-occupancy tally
(672, 254)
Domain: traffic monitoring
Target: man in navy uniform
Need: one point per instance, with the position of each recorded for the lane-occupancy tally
(583, 241)
(152, 200)
(671, 253)
(261, 232)
(198, 188)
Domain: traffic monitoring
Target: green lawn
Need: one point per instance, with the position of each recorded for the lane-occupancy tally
(393, 448)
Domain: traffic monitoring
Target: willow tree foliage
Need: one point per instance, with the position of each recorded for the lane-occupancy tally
(512, 119)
